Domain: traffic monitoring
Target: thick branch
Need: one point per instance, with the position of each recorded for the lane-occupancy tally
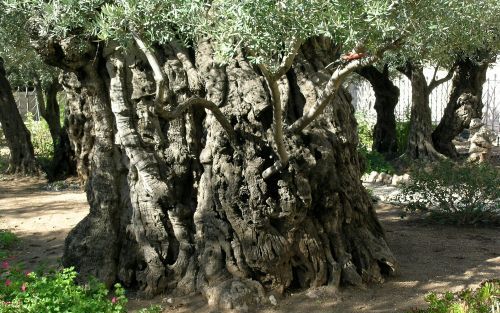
(206, 104)
(277, 116)
(155, 66)
(334, 84)
(434, 83)
(329, 92)
(143, 160)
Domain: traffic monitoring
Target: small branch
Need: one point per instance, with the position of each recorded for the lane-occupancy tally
(272, 79)
(287, 61)
(155, 66)
(277, 116)
(206, 104)
(434, 83)
(435, 73)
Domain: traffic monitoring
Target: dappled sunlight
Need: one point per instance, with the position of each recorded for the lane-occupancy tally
(433, 258)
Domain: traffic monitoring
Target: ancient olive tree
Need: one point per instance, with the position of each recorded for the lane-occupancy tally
(386, 99)
(22, 156)
(23, 67)
(219, 145)
(459, 37)
(471, 64)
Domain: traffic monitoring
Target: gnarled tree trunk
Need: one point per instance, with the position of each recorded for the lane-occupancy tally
(386, 98)
(22, 156)
(464, 104)
(420, 144)
(177, 205)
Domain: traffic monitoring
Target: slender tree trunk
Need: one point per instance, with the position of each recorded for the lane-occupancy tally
(63, 163)
(49, 108)
(386, 99)
(420, 144)
(22, 157)
(177, 205)
(464, 104)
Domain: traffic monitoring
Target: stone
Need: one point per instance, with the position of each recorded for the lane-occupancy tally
(396, 179)
(372, 177)
(405, 179)
(388, 179)
(480, 141)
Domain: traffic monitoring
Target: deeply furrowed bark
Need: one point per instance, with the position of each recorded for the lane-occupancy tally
(463, 105)
(386, 99)
(22, 156)
(420, 144)
(185, 208)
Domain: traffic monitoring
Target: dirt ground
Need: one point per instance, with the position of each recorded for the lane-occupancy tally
(432, 257)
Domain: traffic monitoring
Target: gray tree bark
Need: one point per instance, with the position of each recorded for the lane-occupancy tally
(177, 205)
(463, 105)
(420, 145)
(63, 163)
(386, 99)
(22, 156)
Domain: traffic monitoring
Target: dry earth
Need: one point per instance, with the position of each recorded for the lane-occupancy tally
(432, 257)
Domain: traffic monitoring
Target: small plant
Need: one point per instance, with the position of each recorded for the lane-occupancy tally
(24, 292)
(402, 132)
(365, 133)
(40, 137)
(7, 240)
(375, 162)
(453, 193)
(152, 309)
(485, 299)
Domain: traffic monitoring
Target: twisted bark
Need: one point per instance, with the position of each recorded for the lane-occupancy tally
(184, 208)
(463, 105)
(22, 156)
(420, 144)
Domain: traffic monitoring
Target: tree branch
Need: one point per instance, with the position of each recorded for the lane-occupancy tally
(329, 92)
(277, 116)
(287, 61)
(206, 104)
(334, 84)
(434, 83)
(155, 66)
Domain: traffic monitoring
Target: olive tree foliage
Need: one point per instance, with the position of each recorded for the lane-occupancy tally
(270, 31)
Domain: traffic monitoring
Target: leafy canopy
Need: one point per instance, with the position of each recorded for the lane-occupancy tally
(268, 28)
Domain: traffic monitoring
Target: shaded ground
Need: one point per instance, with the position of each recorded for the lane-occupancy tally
(432, 257)
(41, 219)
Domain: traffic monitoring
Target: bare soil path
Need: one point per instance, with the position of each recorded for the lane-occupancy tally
(432, 257)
